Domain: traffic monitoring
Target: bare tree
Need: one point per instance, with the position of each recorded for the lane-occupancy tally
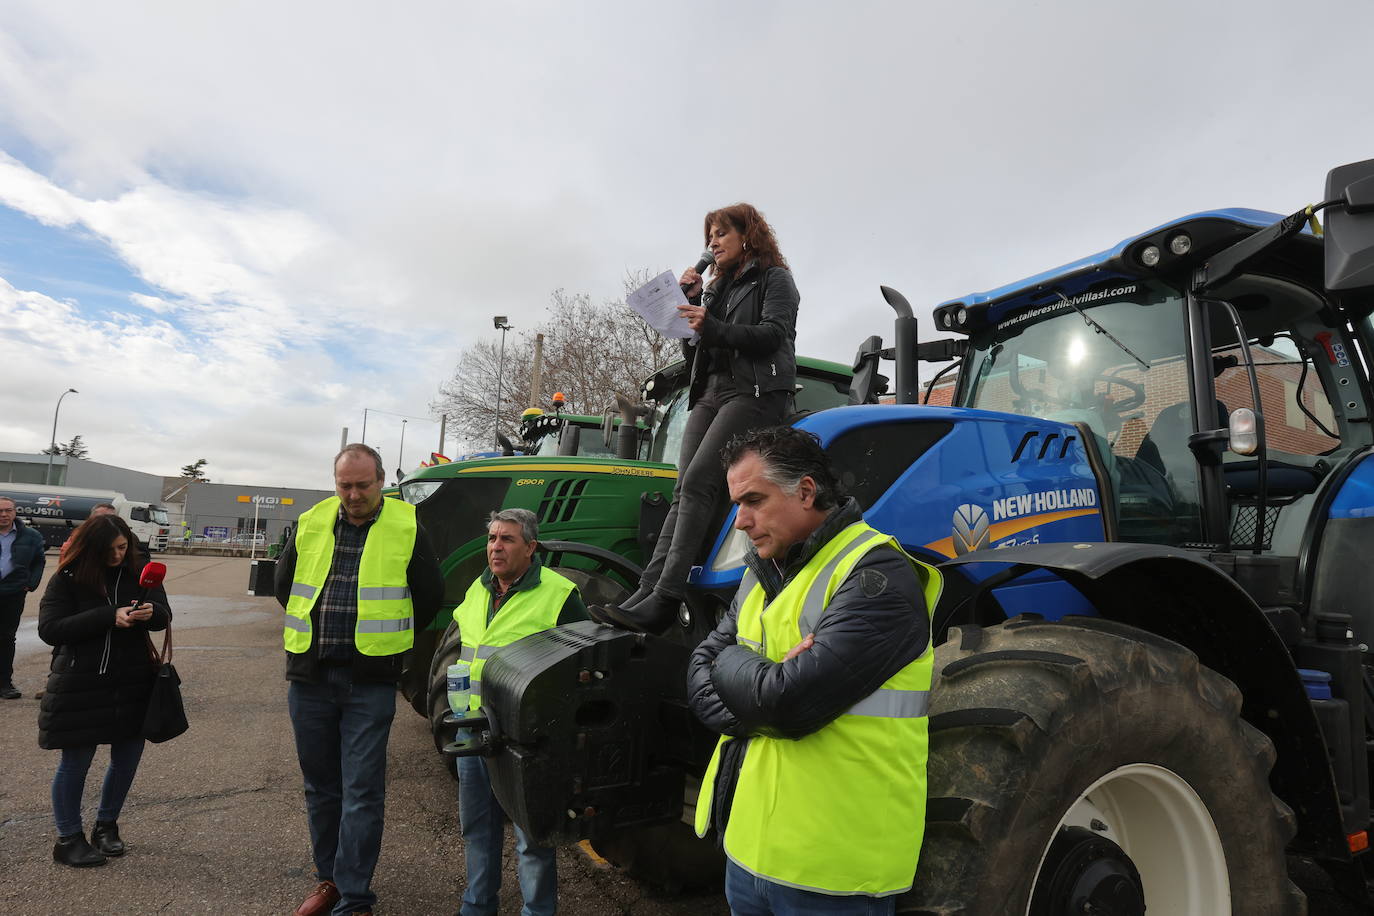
(590, 352)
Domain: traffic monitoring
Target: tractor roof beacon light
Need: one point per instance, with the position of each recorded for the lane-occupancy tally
(1244, 431)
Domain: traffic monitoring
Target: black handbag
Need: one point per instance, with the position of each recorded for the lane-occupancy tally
(166, 716)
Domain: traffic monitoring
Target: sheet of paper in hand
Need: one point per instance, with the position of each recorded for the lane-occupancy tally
(657, 302)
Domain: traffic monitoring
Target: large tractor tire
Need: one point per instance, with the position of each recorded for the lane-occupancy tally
(1087, 766)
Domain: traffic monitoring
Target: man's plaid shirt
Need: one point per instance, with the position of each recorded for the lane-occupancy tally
(338, 605)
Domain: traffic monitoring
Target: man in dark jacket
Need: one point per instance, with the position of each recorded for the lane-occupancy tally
(820, 670)
(357, 580)
(21, 569)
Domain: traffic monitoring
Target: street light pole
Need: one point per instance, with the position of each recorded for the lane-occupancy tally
(503, 326)
(401, 453)
(52, 445)
(363, 440)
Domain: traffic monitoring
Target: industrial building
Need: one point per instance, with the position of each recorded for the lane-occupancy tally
(217, 512)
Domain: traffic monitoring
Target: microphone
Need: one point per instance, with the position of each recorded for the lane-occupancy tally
(706, 260)
(151, 577)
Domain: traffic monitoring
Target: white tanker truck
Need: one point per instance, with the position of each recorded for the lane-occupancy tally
(55, 512)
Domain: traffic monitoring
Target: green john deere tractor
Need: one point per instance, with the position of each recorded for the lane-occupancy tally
(599, 514)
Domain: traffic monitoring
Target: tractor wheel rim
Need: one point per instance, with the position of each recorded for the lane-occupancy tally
(1162, 824)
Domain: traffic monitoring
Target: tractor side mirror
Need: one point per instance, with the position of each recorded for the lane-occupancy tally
(867, 384)
(1350, 226)
(569, 440)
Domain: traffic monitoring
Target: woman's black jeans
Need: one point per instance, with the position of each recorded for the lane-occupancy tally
(697, 497)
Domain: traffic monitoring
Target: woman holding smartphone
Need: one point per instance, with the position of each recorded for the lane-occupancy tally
(97, 620)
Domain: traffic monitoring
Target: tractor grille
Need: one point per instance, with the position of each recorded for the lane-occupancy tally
(560, 500)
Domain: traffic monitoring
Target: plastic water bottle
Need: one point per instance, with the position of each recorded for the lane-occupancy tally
(459, 687)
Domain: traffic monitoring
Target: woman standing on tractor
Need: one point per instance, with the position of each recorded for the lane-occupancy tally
(743, 374)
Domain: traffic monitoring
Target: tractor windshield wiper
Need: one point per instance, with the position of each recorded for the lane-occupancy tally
(1103, 331)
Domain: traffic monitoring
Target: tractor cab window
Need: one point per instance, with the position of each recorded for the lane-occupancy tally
(669, 425)
(590, 442)
(1307, 389)
(815, 393)
(1113, 361)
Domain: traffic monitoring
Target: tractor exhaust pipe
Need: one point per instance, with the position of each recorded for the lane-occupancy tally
(904, 347)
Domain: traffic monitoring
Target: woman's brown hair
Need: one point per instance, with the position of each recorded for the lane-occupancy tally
(88, 556)
(759, 242)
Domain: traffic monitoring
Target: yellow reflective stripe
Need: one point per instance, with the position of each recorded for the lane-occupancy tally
(385, 626)
(814, 604)
(466, 654)
(383, 593)
(301, 590)
(298, 624)
(746, 584)
(486, 651)
(892, 704)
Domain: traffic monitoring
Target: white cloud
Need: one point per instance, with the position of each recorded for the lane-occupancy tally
(330, 200)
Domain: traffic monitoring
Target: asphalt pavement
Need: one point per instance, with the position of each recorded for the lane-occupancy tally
(216, 819)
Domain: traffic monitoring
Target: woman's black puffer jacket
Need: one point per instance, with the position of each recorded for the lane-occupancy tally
(101, 674)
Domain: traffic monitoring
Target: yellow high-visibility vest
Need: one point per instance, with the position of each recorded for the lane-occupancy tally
(527, 611)
(842, 810)
(386, 617)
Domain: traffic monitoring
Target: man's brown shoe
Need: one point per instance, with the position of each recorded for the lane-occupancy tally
(320, 901)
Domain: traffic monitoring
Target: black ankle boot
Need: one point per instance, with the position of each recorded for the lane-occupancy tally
(105, 838)
(640, 594)
(653, 614)
(73, 850)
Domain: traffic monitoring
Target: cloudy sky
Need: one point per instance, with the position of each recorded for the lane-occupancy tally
(232, 227)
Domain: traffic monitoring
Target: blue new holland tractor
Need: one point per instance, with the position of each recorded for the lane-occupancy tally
(1153, 502)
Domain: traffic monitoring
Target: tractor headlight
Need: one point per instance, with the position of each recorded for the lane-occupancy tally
(732, 549)
(417, 491)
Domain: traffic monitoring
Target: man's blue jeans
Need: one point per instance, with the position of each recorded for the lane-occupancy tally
(484, 824)
(69, 783)
(341, 733)
(749, 895)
